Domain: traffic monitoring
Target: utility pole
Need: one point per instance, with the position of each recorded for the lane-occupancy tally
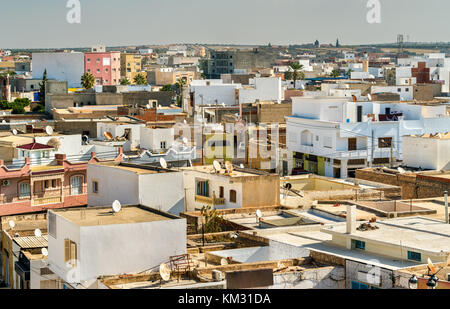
(391, 161)
(446, 207)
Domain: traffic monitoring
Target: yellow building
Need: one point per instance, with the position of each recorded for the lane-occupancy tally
(218, 146)
(129, 64)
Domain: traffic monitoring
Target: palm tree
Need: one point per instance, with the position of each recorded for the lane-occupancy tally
(180, 85)
(87, 80)
(125, 81)
(296, 72)
(139, 79)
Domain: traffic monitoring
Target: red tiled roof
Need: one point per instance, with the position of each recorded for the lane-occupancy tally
(35, 146)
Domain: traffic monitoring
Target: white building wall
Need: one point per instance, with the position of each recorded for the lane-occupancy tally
(60, 66)
(433, 153)
(223, 93)
(151, 138)
(405, 92)
(265, 89)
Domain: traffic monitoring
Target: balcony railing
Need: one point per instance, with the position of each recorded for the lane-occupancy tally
(49, 196)
(209, 200)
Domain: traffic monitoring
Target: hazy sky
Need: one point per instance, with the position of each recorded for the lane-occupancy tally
(42, 23)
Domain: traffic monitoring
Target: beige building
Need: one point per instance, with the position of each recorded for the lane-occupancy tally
(224, 189)
(130, 64)
(166, 76)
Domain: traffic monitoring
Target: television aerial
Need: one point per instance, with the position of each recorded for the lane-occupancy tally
(12, 224)
(116, 206)
(164, 272)
(37, 233)
(49, 130)
(44, 251)
(217, 166)
(14, 132)
(163, 163)
(223, 262)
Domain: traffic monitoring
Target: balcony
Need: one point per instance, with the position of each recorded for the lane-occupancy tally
(209, 200)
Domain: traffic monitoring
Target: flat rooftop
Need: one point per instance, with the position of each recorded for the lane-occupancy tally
(413, 232)
(92, 216)
(136, 168)
(237, 172)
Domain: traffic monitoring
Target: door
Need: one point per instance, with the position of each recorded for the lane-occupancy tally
(359, 113)
(351, 144)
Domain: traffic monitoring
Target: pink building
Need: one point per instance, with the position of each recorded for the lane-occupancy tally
(104, 66)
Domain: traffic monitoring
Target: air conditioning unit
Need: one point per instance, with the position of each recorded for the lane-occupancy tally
(5, 183)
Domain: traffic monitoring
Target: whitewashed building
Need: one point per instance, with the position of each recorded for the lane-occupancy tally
(262, 89)
(434, 151)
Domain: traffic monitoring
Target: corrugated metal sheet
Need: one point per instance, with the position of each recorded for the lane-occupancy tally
(29, 242)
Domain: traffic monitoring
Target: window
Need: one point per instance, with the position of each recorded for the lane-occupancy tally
(358, 244)
(46, 184)
(53, 183)
(221, 192)
(203, 188)
(163, 145)
(385, 142)
(95, 186)
(232, 196)
(77, 185)
(46, 154)
(24, 189)
(88, 60)
(70, 252)
(414, 256)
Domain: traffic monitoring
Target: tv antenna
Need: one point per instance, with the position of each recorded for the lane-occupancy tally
(116, 206)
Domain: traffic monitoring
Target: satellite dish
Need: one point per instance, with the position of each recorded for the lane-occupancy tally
(223, 104)
(164, 272)
(302, 87)
(223, 262)
(108, 136)
(185, 122)
(37, 233)
(369, 96)
(185, 140)
(44, 251)
(116, 206)
(148, 106)
(288, 185)
(431, 266)
(85, 138)
(241, 166)
(258, 213)
(12, 224)
(401, 170)
(163, 163)
(14, 132)
(49, 130)
(217, 165)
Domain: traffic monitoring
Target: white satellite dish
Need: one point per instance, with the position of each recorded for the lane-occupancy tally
(223, 104)
(369, 96)
(302, 87)
(116, 206)
(241, 166)
(44, 251)
(185, 122)
(223, 262)
(37, 233)
(14, 132)
(401, 170)
(148, 106)
(258, 213)
(185, 140)
(49, 130)
(163, 163)
(12, 224)
(217, 165)
(164, 272)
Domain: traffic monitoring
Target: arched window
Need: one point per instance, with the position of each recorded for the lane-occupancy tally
(307, 138)
(233, 196)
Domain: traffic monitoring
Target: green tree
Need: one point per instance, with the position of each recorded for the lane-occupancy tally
(349, 72)
(180, 86)
(212, 221)
(335, 73)
(166, 88)
(87, 80)
(139, 79)
(18, 109)
(125, 81)
(297, 74)
(42, 88)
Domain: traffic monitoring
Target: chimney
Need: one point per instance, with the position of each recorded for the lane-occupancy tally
(351, 219)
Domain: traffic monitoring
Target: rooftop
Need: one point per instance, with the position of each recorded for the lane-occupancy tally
(413, 232)
(139, 169)
(93, 216)
(237, 172)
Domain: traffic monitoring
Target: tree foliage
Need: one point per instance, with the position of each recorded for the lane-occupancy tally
(139, 79)
(87, 80)
(212, 221)
(125, 81)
